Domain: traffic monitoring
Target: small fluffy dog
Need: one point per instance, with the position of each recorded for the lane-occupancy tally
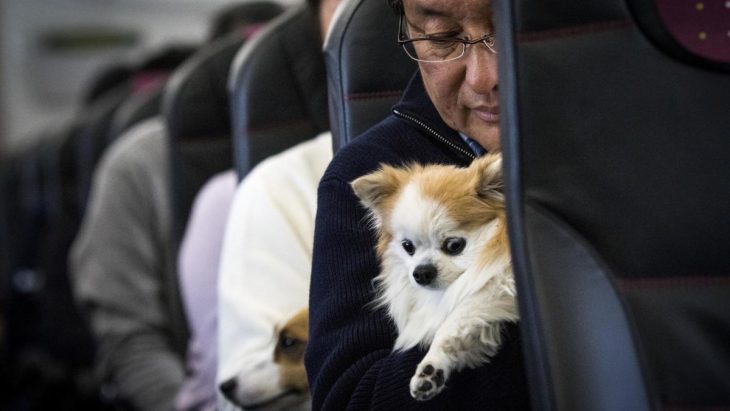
(278, 382)
(446, 276)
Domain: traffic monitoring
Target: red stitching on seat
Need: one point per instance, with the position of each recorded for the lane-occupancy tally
(573, 31)
(639, 283)
(373, 95)
(278, 126)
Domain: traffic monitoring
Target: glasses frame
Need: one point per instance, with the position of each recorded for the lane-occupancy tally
(403, 41)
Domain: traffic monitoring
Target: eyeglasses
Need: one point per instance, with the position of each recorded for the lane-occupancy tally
(439, 49)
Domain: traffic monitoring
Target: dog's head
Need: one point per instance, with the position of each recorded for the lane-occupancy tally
(279, 381)
(435, 220)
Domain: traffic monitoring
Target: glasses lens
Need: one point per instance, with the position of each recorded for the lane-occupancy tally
(432, 50)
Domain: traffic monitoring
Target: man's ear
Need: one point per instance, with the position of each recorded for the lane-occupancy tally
(490, 183)
(376, 188)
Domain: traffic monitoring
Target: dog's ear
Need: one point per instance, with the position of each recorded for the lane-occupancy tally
(376, 188)
(490, 183)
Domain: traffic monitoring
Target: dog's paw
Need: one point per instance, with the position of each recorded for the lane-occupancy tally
(428, 381)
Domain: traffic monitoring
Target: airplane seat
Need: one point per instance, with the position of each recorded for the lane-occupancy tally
(367, 70)
(614, 118)
(278, 89)
(196, 113)
(91, 138)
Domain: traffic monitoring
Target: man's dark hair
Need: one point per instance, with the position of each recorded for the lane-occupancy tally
(314, 5)
(239, 15)
(106, 80)
(396, 5)
(167, 58)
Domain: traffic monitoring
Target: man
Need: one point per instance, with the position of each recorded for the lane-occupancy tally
(449, 114)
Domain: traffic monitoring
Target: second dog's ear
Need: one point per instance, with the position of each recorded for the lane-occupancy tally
(489, 177)
(376, 188)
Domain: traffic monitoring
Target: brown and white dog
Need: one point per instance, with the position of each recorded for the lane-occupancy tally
(278, 382)
(446, 275)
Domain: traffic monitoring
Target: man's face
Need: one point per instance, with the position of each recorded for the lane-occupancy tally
(464, 91)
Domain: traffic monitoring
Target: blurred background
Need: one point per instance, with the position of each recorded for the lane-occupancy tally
(66, 67)
(50, 50)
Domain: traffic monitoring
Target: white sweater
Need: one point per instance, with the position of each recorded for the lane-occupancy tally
(267, 252)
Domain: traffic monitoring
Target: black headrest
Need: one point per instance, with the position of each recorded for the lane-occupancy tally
(694, 32)
(366, 67)
(92, 135)
(616, 155)
(278, 89)
(195, 103)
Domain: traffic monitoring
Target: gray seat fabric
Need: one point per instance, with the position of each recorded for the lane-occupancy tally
(367, 70)
(615, 138)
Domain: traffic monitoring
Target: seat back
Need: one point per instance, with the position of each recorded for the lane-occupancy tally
(278, 89)
(196, 113)
(615, 137)
(367, 70)
(197, 116)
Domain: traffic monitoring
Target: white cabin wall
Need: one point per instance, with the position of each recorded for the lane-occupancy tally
(38, 90)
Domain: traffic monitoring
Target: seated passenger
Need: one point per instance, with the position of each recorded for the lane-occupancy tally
(117, 263)
(198, 260)
(449, 114)
(264, 273)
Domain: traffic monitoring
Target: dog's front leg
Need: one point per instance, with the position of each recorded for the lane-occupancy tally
(468, 337)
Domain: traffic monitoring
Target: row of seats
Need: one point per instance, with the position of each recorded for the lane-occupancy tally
(618, 229)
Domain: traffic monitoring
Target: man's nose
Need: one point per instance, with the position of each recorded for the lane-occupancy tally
(481, 69)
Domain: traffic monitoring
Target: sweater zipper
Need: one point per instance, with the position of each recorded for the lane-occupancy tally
(434, 133)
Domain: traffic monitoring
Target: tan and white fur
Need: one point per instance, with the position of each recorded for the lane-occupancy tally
(446, 275)
(277, 381)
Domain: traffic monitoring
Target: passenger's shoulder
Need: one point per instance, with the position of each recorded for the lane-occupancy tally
(305, 159)
(145, 140)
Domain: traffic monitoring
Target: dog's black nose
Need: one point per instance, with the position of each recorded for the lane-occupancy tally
(424, 274)
(228, 387)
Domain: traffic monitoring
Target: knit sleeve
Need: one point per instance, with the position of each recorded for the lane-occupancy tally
(349, 358)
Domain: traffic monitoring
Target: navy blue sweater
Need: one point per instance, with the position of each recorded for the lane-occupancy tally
(349, 357)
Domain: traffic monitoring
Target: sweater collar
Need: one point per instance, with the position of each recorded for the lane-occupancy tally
(416, 103)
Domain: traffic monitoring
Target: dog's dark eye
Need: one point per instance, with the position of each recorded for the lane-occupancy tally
(288, 342)
(453, 245)
(289, 347)
(408, 246)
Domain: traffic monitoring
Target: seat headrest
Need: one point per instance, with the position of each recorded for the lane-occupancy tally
(366, 67)
(195, 104)
(694, 32)
(278, 89)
